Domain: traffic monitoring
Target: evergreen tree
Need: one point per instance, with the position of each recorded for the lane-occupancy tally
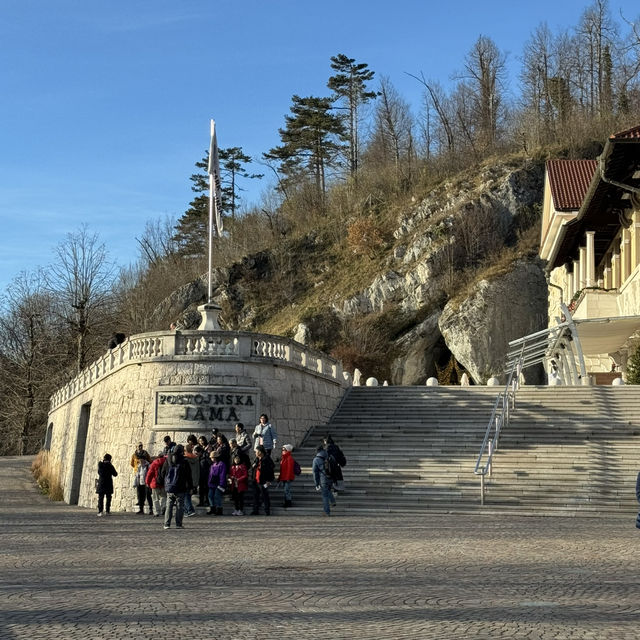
(192, 227)
(232, 167)
(350, 89)
(633, 368)
(312, 142)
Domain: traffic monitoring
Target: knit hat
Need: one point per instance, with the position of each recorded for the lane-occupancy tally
(288, 447)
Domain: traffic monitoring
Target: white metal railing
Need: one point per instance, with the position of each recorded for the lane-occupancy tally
(222, 345)
(504, 404)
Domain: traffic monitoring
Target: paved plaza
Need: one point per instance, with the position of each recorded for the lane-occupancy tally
(67, 574)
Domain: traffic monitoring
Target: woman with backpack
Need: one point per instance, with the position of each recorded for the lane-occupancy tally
(338, 462)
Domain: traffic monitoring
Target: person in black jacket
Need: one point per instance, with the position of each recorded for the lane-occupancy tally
(104, 485)
(262, 475)
(334, 450)
(176, 473)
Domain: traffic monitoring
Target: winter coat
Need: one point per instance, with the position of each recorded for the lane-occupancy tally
(265, 435)
(152, 479)
(239, 476)
(225, 452)
(106, 474)
(194, 465)
(184, 482)
(217, 475)
(286, 468)
(266, 467)
(244, 441)
(141, 473)
(136, 457)
(335, 451)
(317, 468)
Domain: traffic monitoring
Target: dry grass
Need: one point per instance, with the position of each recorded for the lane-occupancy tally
(47, 475)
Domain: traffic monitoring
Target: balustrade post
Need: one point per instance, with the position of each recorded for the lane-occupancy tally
(244, 346)
(169, 344)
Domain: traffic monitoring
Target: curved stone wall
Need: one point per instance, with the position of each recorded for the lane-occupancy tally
(179, 383)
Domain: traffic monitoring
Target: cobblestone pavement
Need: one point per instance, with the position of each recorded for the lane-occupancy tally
(67, 574)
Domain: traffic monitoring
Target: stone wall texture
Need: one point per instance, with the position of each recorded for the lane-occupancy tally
(118, 410)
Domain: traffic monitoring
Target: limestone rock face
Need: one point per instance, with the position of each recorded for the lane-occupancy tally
(178, 306)
(416, 360)
(478, 330)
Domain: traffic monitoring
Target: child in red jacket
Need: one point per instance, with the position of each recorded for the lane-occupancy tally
(287, 473)
(239, 481)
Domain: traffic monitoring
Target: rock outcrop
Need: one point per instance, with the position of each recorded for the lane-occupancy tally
(477, 330)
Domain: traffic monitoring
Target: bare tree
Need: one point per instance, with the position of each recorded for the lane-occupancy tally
(80, 279)
(485, 68)
(30, 362)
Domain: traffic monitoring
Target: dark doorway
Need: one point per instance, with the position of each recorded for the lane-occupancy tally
(78, 459)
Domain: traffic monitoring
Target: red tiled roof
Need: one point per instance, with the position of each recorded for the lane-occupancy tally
(569, 181)
(626, 135)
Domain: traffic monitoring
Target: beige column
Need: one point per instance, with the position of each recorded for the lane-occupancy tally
(635, 239)
(590, 262)
(576, 277)
(615, 271)
(607, 272)
(625, 255)
(568, 284)
(583, 267)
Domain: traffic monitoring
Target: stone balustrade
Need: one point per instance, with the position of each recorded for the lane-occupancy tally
(208, 345)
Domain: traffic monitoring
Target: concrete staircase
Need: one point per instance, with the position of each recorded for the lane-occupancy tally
(413, 449)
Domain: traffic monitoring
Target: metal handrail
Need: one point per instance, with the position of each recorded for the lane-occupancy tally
(505, 401)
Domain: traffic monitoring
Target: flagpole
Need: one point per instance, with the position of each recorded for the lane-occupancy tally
(212, 200)
(210, 310)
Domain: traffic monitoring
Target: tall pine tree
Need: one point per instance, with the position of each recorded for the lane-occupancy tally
(349, 87)
(311, 143)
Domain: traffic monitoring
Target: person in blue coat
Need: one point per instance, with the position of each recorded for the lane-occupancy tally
(323, 479)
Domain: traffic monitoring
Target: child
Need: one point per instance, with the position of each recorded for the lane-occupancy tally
(155, 482)
(104, 486)
(140, 483)
(239, 481)
(287, 474)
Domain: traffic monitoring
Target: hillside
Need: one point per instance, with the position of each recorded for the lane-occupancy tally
(399, 296)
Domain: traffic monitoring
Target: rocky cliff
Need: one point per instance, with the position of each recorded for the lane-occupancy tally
(434, 281)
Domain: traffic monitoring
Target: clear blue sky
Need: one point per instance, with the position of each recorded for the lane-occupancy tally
(105, 106)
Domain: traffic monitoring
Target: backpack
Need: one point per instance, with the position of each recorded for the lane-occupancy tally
(172, 476)
(330, 467)
(296, 468)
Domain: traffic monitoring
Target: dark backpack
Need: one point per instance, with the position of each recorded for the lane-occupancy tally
(330, 467)
(172, 475)
(296, 468)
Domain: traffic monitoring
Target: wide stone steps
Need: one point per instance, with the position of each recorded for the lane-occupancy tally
(568, 450)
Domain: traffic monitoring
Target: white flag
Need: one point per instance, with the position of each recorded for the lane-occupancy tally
(215, 189)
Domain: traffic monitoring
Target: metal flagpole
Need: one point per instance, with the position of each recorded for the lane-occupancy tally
(210, 310)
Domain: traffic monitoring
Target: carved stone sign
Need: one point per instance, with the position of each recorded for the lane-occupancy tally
(203, 408)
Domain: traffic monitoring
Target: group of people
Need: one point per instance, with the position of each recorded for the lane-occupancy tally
(210, 468)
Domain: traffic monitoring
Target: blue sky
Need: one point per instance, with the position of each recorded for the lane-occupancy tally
(105, 106)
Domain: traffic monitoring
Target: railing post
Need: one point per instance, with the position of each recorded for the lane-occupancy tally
(490, 457)
(482, 489)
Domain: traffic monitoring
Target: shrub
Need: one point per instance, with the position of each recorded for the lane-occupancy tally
(47, 476)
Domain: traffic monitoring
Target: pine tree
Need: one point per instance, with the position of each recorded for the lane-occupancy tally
(192, 227)
(312, 142)
(350, 88)
(633, 367)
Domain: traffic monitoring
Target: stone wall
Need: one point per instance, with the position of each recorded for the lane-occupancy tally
(145, 394)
